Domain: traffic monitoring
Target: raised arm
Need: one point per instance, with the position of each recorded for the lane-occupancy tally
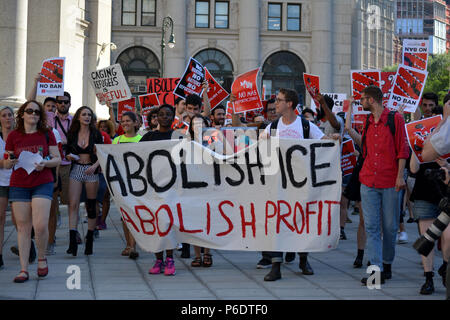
(32, 94)
(112, 117)
(206, 105)
(328, 113)
(348, 125)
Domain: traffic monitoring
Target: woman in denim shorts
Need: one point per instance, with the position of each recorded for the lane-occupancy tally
(31, 190)
(6, 126)
(426, 195)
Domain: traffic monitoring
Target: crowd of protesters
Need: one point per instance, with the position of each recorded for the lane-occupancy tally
(387, 183)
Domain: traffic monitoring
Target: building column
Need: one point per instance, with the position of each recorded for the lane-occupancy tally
(175, 58)
(249, 46)
(13, 51)
(321, 48)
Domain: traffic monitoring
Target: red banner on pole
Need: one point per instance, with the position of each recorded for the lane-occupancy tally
(417, 133)
(148, 102)
(163, 87)
(348, 158)
(124, 106)
(216, 94)
(246, 92)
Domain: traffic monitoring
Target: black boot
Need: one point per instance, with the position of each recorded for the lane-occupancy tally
(387, 271)
(88, 246)
(1, 261)
(73, 245)
(186, 250)
(359, 259)
(275, 273)
(304, 265)
(428, 286)
(443, 272)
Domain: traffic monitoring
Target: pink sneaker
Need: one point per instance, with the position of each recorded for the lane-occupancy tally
(169, 270)
(157, 268)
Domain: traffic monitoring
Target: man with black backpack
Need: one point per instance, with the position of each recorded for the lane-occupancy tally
(385, 151)
(290, 126)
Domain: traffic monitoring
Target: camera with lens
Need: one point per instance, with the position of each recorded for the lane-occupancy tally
(425, 243)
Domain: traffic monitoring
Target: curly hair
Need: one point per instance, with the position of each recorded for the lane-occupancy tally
(110, 126)
(41, 126)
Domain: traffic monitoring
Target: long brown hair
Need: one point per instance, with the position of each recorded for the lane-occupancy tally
(42, 123)
(75, 126)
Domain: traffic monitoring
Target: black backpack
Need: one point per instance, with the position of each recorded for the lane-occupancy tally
(305, 125)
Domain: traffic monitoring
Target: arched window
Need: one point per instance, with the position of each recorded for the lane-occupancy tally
(138, 64)
(283, 70)
(218, 64)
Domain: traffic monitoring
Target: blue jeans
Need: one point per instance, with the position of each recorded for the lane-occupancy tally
(380, 209)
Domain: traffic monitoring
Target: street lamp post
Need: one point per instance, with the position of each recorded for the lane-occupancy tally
(167, 23)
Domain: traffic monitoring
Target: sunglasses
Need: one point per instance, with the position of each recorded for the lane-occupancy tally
(31, 111)
(63, 101)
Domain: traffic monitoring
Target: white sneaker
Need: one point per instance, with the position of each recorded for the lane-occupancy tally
(402, 237)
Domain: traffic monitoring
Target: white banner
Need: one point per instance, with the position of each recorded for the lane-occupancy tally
(177, 191)
(110, 84)
(338, 99)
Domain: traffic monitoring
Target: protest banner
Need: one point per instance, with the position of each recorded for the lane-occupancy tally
(148, 102)
(216, 94)
(387, 81)
(191, 81)
(164, 88)
(338, 99)
(288, 201)
(51, 82)
(415, 53)
(348, 159)
(110, 84)
(313, 88)
(178, 124)
(229, 113)
(408, 88)
(418, 131)
(360, 80)
(125, 106)
(245, 90)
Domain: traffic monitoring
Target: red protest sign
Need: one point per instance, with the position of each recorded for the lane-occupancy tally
(125, 106)
(415, 53)
(246, 93)
(348, 159)
(229, 113)
(51, 82)
(148, 102)
(191, 81)
(407, 89)
(362, 79)
(387, 81)
(163, 87)
(216, 94)
(312, 86)
(417, 133)
(177, 124)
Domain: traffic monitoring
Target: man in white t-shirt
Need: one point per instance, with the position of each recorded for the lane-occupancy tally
(290, 126)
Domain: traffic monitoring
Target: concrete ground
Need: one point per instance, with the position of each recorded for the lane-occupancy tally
(108, 275)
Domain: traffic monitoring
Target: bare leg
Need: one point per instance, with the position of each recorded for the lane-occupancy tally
(22, 213)
(427, 262)
(91, 193)
(344, 209)
(3, 205)
(75, 188)
(106, 205)
(40, 214)
(52, 221)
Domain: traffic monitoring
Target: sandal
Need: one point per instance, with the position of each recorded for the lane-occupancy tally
(21, 279)
(207, 260)
(197, 262)
(126, 251)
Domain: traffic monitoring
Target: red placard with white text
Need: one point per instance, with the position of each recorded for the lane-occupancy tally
(216, 94)
(177, 124)
(348, 159)
(415, 53)
(125, 106)
(246, 92)
(313, 88)
(148, 102)
(418, 131)
(408, 88)
(360, 80)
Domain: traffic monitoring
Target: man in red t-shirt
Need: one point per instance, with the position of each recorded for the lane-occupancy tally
(381, 179)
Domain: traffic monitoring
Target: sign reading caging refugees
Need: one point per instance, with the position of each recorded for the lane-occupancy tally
(110, 84)
(173, 191)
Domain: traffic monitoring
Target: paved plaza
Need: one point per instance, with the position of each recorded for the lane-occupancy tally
(108, 275)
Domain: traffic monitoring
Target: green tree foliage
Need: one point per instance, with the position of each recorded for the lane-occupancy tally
(438, 79)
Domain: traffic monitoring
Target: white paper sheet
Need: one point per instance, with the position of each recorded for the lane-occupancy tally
(27, 161)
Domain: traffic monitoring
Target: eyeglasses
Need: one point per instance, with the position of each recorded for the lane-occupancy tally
(62, 101)
(271, 110)
(31, 111)
(278, 100)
